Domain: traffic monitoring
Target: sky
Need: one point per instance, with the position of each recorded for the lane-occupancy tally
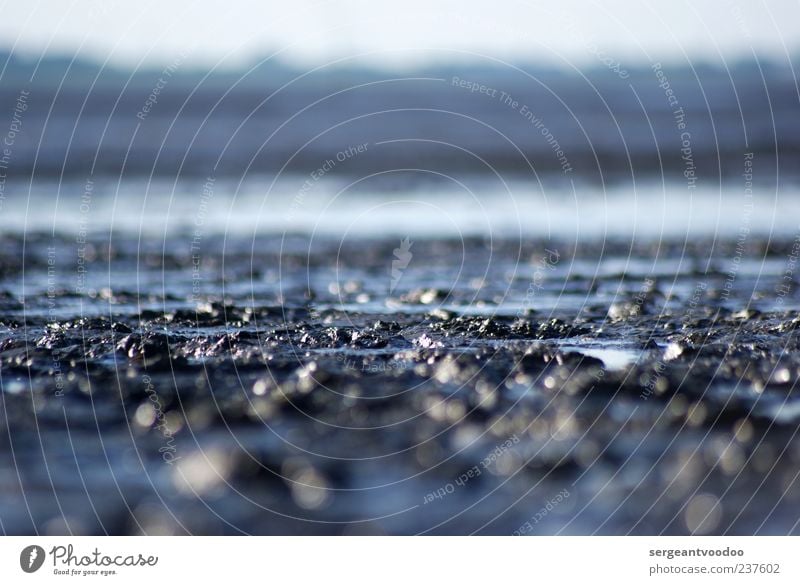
(402, 34)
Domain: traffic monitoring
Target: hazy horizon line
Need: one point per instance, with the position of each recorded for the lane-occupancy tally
(24, 58)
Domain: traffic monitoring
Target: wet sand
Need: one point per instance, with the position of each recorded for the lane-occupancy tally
(289, 385)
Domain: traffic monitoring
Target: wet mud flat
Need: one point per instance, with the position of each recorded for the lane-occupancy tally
(297, 385)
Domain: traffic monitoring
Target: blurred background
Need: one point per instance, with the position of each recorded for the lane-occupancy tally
(531, 114)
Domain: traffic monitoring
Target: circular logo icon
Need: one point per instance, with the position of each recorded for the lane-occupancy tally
(31, 558)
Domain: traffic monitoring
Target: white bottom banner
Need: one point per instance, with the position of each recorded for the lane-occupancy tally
(355, 560)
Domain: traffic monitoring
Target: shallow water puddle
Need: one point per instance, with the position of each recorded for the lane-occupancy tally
(614, 358)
